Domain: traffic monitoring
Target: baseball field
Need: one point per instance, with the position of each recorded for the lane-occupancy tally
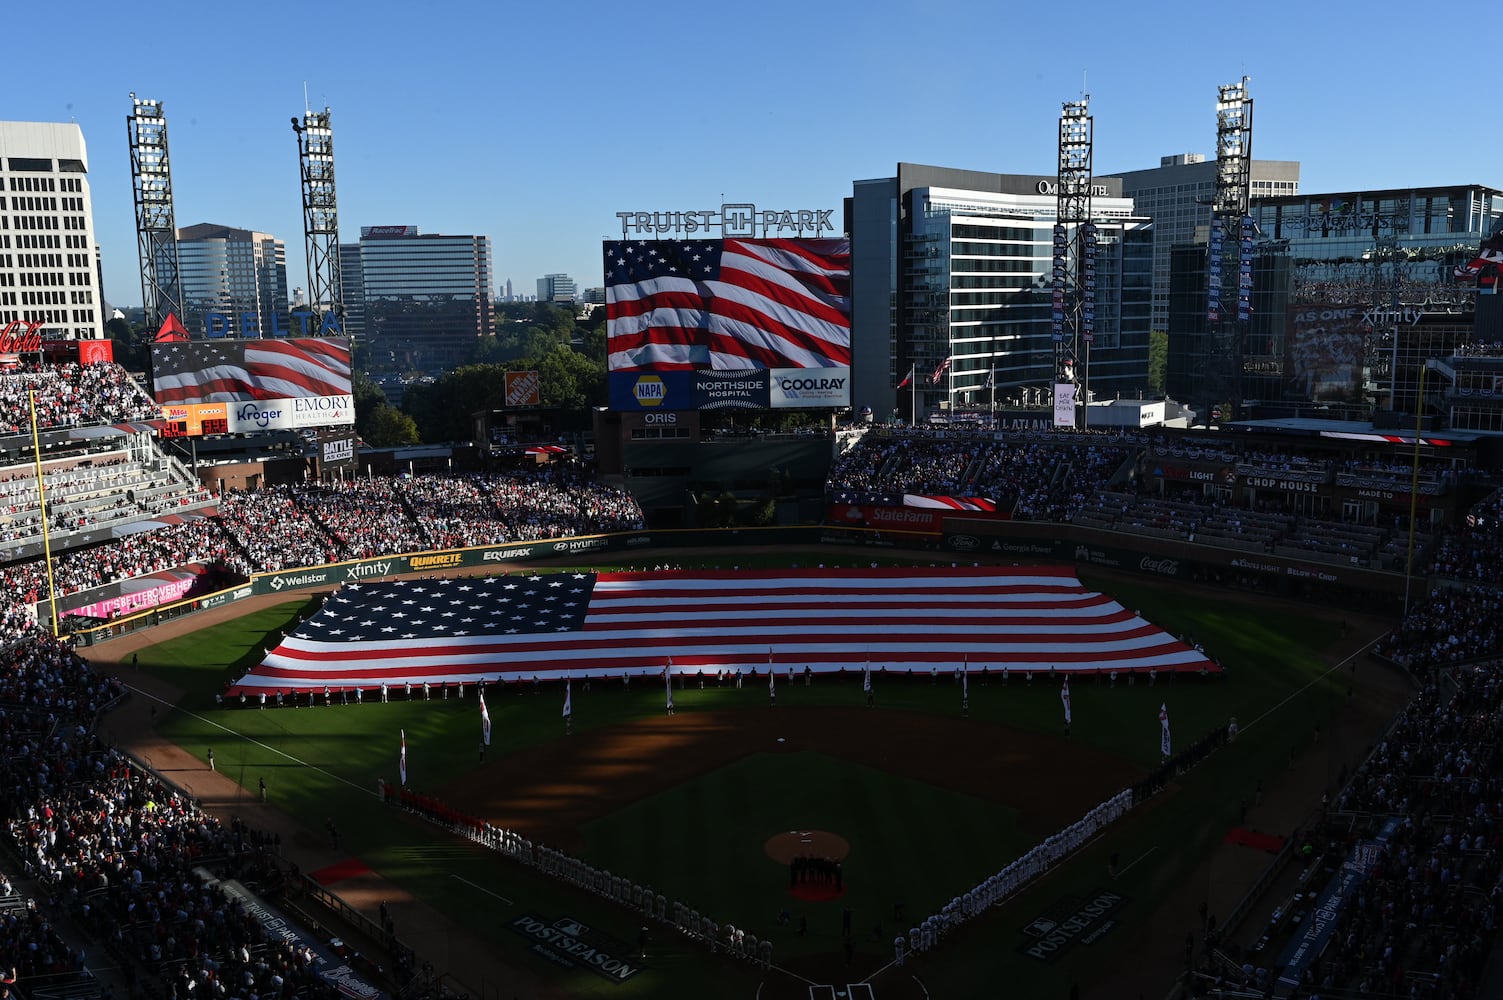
(916, 797)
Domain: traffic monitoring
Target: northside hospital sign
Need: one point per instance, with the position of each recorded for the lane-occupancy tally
(734, 221)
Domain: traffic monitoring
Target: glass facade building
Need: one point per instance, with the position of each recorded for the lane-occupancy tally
(957, 264)
(234, 283)
(425, 299)
(1346, 289)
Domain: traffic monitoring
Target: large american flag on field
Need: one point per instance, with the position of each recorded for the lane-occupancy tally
(727, 304)
(555, 625)
(229, 371)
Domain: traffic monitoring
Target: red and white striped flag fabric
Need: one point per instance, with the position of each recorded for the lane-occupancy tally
(727, 304)
(485, 720)
(939, 372)
(558, 624)
(221, 371)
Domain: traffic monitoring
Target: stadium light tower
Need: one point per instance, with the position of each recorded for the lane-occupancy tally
(1074, 271)
(1230, 268)
(315, 146)
(156, 228)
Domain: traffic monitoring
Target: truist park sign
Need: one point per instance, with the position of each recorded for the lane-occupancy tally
(732, 221)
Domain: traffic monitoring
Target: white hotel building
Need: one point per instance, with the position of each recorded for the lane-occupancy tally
(49, 270)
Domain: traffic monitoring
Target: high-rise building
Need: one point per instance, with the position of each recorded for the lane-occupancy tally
(956, 264)
(508, 297)
(556, 288)
(233, 282)
(1177, 196)
(426, 297)
(49, 271)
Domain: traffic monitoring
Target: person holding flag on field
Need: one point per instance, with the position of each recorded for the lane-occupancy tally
(866, 685)
(568, 704)
(965, 686)
(1064, 697)
(402, 760)
(485, 721)
(772, 680)
(1164, 725)
(668, 680)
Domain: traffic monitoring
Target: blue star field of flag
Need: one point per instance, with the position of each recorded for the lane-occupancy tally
(435, 609)
(179, 357)
(629, 262)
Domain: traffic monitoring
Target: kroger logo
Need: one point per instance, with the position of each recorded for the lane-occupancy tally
(251, 413)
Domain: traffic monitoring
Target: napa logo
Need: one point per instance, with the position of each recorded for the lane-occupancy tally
(650, 390)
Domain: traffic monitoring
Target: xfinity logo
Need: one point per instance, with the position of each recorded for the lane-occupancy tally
(1389, 316)
(360, 571)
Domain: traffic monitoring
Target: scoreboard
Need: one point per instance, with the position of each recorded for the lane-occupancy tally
(194, 420)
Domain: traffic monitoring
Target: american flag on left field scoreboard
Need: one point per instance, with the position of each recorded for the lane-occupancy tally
(727, 304)
(583, 624)
(227, 371)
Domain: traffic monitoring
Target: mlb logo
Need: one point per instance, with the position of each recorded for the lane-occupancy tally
(571, 927)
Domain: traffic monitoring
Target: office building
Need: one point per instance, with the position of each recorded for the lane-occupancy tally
(234, 283)
(1177, 196)
(956, 264)
(49, 266)
(556, 288)
(426, 297)
(1352, 292)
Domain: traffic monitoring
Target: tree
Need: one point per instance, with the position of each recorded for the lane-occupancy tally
(389, 427)
(132, 347)
(1158, 361)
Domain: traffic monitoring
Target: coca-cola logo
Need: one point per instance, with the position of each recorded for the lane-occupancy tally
(1166, 567)
(21, 337)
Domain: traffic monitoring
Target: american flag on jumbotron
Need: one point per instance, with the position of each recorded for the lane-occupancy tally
(228, 371)
(727, 304)
(556, 625)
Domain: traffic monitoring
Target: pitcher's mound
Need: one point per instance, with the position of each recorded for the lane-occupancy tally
(784, 847)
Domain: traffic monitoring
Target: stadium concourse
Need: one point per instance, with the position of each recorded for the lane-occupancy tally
(109, 849)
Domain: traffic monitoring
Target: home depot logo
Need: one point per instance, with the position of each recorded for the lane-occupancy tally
(522, 388)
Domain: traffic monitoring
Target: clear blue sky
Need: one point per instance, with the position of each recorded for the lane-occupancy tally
(534, 123)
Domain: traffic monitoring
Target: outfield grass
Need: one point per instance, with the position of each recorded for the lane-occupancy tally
(325, 762)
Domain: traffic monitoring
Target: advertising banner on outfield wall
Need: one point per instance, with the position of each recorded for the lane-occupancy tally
(795, 388)
(865, 515)
(333, 968)
(744, 389)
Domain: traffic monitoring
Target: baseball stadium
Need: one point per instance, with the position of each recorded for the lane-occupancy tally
(892, 711)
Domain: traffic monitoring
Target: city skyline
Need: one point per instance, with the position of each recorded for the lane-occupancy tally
(452, 122)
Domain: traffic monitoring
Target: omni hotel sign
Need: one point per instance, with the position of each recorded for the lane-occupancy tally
(734, 221)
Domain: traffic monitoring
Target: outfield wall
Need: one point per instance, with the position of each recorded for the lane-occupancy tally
(959, 537)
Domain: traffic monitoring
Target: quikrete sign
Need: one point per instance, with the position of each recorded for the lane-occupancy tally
(1072, 922)
(571, 945)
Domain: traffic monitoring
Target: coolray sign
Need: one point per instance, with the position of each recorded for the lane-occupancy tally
(298, 413)
(568, 943)
(790, 388)
(1071, 922)
(733, 220)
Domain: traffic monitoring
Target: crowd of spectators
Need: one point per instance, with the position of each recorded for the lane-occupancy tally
(71, 395)
(117, 851)
(1422, 921)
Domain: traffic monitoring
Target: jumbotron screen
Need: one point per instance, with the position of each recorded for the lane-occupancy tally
(264, 384)
(745, 323)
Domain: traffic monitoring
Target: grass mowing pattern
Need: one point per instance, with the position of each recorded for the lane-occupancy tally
(1268, 657)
